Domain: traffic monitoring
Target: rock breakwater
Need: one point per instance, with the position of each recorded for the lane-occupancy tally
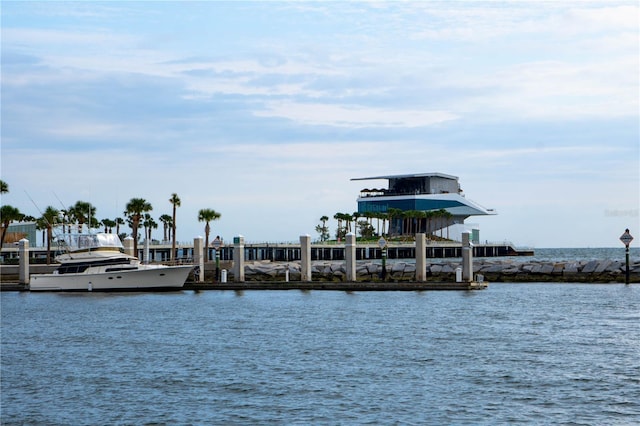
(591, 271)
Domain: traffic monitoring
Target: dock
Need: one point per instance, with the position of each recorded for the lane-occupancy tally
(339, 286)
(309, 286)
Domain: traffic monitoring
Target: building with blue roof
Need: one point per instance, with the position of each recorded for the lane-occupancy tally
(425, 192)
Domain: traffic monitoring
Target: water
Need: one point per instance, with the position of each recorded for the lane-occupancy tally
(515, 353)
(559, 255)
(573, 254)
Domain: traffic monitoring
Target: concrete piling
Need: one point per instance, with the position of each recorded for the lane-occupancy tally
(128, 246)
(305, 257)
(198, 258)
(350, 257)
(23, 251)
(467, 257)
(421, 258)
(238, 258)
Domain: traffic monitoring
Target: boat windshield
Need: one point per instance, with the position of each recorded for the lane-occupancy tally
(90, 241)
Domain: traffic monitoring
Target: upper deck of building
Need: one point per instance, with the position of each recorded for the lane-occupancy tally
(413, 184)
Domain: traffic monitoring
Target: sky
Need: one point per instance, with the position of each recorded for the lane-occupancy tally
(265, 111)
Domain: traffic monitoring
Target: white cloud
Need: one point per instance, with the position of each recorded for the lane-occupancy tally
(352, 115)
(266, 120)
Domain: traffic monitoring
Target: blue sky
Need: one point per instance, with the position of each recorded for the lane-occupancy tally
(264, 111)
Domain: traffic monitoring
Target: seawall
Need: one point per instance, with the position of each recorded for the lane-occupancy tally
(593, 271)
(492, 270)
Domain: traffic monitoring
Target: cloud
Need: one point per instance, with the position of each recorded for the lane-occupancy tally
(352, 116)
(265, 111)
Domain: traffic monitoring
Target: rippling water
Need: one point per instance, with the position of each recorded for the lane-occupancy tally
(570, 254)
(557, 255)
(529, 353)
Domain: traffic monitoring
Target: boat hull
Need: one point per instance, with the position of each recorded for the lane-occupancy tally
(145, 278)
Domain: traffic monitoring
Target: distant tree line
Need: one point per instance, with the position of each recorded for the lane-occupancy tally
(392, 223)
(83, 214)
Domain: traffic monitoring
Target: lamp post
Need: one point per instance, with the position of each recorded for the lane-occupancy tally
(382, 243)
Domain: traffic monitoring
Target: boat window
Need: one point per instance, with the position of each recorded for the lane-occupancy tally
(124, 268)
(89, 241)
(72, 269)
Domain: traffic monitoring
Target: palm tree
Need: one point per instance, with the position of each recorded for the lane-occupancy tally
(393, 214)
(443, 216)
(429, 215)
(84, 212)
(338, 217)
(4, 187)
(447, 220)
(41, 225)
(354, 218)
(347, 220)
(8, 215)
(421, 216)
(119, 221)
(71, 218)
(385, 219)
(406, 222)
(166, 223)
(343, 230)
(149, 224)
(108, 225)
(175, 201)
(322, 229)
(374, 215)
(414, 220)
(50, 218)
(207, 215)
(135, 209)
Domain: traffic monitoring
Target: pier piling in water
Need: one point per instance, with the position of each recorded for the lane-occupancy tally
(128, 246)
(467, 257)
(350, 257)
(421, 259)
(238, 258)
(23, 250)
(305, 257)
(198, 258)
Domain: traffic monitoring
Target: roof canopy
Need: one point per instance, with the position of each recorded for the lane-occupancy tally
(418, 175)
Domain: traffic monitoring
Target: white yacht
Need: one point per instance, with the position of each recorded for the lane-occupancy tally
(98, 262)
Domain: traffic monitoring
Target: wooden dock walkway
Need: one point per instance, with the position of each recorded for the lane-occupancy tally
(309, 286)
(338, 286)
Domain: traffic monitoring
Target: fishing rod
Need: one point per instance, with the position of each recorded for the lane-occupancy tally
(35, 205)
(64, 209)
(49, 224)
